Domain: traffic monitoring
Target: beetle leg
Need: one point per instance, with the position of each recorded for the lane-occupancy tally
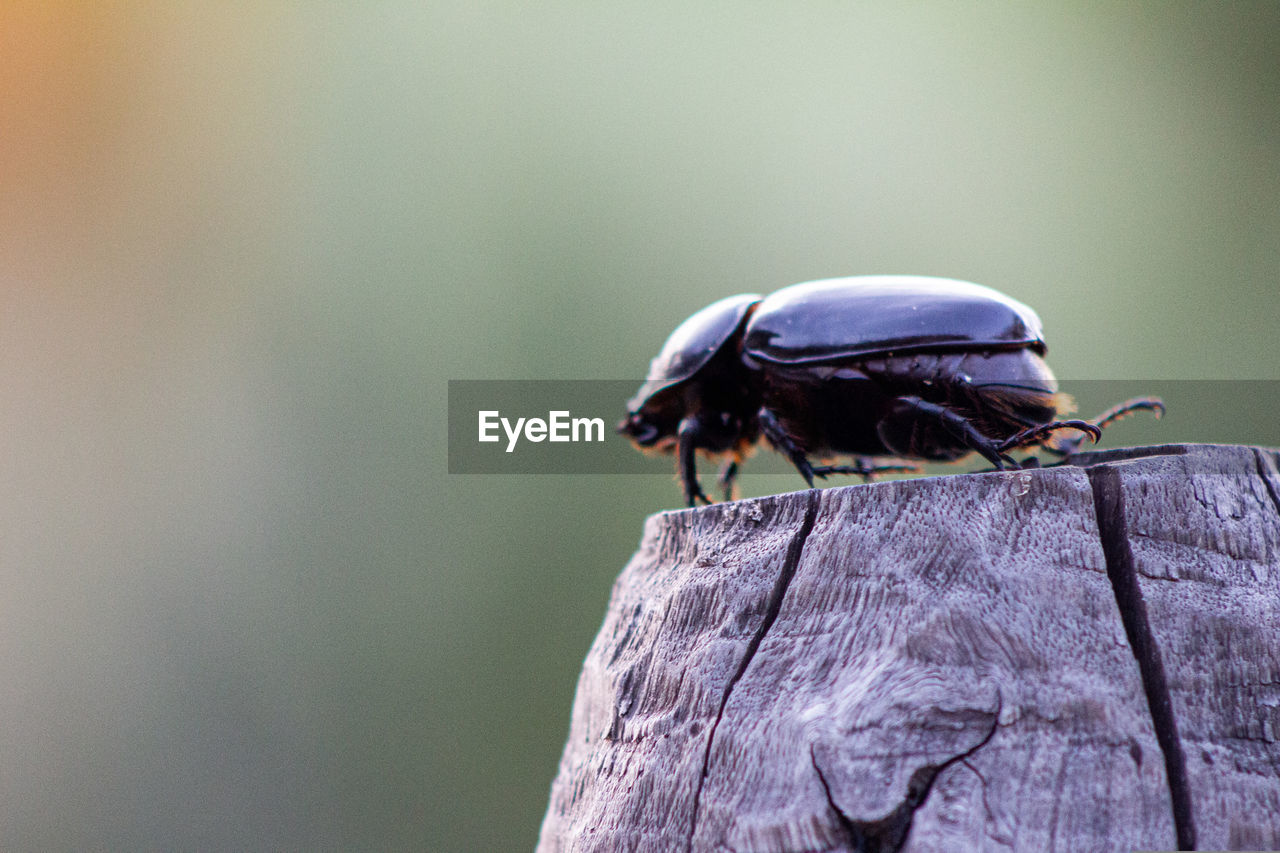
(728, 473)
(686, 438)
(959, 426)
(1117, 412)
(687, 441)
(783, 444)
(866, 468)
(1036, 434)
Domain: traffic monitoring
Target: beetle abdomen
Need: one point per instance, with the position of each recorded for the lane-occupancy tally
(854, 407)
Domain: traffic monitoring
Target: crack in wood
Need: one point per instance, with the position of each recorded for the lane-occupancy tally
(847, 829)
(992, 820)
(772, 607)
(1108, 498)
(1265, 476)
(889, 833)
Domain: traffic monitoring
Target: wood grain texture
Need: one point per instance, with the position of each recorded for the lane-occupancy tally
(938, 664)
(1204, 529)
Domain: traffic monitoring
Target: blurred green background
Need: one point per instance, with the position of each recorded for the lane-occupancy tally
(245, 246)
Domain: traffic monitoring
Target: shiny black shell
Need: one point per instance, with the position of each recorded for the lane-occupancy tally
(841, 319)
(694, 343)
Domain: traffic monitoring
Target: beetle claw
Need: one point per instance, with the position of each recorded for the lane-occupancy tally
(1037, 434)
(1066, 446)
(728, 474)
(691, 498)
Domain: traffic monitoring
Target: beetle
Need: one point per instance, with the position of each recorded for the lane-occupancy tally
(913, 367)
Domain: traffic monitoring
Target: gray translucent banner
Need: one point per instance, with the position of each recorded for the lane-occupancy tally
(568, 426)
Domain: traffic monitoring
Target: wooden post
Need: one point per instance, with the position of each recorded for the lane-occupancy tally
(1084, 657)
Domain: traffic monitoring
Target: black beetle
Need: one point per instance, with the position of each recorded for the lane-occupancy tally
(869, 366)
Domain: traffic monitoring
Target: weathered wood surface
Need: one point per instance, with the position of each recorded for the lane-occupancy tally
(1076, 658)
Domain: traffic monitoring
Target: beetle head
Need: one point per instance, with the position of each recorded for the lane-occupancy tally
(642, 431)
